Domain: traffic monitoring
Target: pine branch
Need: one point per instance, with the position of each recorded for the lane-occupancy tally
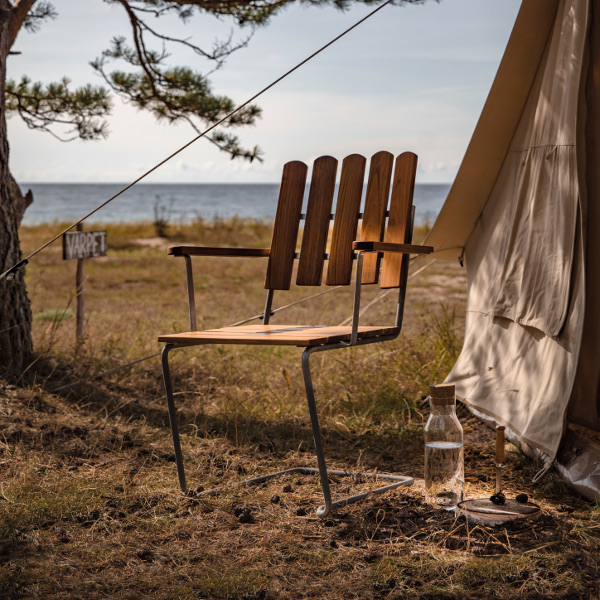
(79, 113)
(174, 94)
(171, 93)
(18, 16)
(40, 12)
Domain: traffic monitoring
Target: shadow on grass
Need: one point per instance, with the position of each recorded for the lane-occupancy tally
(397, 450)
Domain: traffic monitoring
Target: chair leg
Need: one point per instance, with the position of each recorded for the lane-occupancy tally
(173, 417)
(328, 506)
(324, 510)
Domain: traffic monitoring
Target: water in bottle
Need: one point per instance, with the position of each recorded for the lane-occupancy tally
(444, 455)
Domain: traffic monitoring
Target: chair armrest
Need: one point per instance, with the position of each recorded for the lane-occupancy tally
(389, 247)
(188, 251)
(208, 251)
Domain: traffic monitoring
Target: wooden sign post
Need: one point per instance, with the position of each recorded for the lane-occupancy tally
(81, 245)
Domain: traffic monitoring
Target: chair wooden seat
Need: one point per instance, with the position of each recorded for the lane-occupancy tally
(303, 336)
(381, 251)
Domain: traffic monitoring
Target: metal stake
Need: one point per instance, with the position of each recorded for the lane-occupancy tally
(499, 456)
(80, 316)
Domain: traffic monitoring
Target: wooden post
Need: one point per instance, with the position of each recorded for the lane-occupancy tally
(81, 245)
(80, 317)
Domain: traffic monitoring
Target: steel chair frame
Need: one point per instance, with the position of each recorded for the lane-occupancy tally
(355, 337)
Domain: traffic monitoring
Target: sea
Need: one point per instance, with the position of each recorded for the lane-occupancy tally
(179, 203)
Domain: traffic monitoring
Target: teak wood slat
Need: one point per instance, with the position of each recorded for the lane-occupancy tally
(285, 228)
(345, 224)
(376, 203)
(316, 227)
(210, 251)
(395, 266)
(278, 335)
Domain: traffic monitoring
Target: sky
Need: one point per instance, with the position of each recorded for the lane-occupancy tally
(409, 78)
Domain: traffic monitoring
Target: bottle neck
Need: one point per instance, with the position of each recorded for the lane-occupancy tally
(441, 410)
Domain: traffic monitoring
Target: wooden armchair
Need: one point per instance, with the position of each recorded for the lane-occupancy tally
(382, 254)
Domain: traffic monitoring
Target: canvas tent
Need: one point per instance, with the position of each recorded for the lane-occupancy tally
(524, 215)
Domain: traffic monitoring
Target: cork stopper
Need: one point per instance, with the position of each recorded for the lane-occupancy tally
(442, 394)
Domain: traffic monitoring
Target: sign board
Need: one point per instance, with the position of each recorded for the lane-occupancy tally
(84, 244)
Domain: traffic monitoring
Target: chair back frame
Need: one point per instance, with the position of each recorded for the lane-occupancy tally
(389, 269)
(313, 253)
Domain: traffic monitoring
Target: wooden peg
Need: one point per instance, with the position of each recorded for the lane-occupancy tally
(500, 444)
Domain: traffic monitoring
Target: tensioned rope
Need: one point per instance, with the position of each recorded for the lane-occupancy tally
(384, 293)
(11, 272)
(254, 318)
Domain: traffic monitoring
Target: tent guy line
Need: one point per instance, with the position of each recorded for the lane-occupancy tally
(10, 273)
(248, 320)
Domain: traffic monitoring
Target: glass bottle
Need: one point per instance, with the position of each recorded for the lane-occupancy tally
(444, 455)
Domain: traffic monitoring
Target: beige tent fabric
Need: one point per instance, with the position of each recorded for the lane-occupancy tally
(495, 129)
(538, 186)
(540, 191)
(525, 250)
(516, 374)
(584, 407)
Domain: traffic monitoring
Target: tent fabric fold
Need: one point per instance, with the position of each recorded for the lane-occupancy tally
(540, 212)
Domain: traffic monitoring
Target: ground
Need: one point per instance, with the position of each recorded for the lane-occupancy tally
(89, 502)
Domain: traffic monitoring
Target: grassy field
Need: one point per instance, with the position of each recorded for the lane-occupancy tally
(89, 502)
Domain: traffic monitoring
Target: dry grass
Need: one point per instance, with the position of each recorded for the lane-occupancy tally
(89, 503)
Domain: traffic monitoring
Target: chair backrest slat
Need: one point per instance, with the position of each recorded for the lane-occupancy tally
(399, 229)
(394, 266)
(376, 203)
(345, 223)
(316, 226)
(285, 227)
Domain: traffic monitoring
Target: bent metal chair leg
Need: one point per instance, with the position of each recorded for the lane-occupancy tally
(314, 419)
(328, 506)
(173, 416)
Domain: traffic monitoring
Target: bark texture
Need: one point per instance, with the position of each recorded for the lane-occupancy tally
(16, 349)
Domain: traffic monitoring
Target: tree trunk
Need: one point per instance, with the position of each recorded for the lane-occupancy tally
(16, 348)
